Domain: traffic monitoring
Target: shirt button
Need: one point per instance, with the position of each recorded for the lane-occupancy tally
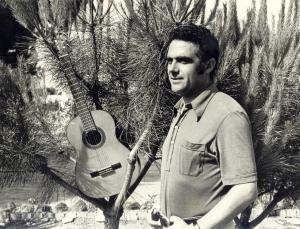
(176, 127)
(172, 142)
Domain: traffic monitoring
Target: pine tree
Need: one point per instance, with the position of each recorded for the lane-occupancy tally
(122, 67)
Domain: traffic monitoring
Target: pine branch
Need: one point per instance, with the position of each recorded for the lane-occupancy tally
(197, 9)
(276, 198)
(185, 13)
(212, 13)
(170, 11)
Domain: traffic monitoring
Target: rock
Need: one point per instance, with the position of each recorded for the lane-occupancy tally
(61, 207)
(132, 205)
(80, 205)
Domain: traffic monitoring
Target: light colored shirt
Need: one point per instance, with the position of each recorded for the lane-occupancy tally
(207, 150)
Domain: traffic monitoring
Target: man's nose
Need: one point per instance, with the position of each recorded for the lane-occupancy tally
(173, 68)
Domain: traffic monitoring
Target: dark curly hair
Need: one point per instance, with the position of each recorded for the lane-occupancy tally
(208, 44)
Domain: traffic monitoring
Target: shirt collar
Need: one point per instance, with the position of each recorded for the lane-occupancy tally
(200, 102)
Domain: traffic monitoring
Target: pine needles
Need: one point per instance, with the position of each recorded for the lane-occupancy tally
(121, 65)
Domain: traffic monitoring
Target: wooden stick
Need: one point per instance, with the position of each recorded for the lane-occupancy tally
(131, 164)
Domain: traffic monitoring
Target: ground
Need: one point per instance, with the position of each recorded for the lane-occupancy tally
(81, 223)
(136, 219)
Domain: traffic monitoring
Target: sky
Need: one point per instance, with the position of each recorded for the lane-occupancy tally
(242, 6)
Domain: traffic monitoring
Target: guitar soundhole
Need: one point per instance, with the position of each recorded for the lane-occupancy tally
(93, 137)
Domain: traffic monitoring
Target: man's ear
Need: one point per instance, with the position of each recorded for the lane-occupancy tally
(210, 65)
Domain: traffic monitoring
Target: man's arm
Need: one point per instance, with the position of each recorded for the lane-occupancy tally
(235, 201)
(237, 163)
(238, 170)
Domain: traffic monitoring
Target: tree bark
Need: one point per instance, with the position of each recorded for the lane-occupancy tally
(112, 222)
(244, 219)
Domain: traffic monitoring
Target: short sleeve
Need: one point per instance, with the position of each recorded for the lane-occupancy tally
(235, 148)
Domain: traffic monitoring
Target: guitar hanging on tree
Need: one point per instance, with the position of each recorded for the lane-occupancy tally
(102, 160)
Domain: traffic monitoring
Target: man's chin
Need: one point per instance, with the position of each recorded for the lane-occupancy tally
(177, 90)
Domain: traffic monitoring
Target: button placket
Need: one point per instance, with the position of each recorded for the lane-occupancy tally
(175, 130)
(171, 144)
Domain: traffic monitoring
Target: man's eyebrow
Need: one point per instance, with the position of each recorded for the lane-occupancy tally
(179, 58)
(183, 58)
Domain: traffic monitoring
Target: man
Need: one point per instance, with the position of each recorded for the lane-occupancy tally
(208, 166)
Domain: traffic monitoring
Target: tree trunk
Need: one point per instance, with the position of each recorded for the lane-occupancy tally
(112, 222)
(244, 219)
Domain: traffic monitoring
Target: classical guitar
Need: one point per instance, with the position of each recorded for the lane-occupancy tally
(102, 160)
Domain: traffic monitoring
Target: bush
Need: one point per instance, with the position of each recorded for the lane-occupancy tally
(61, 207)
(80, 206)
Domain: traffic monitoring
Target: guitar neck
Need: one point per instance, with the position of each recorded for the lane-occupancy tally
(78, 94)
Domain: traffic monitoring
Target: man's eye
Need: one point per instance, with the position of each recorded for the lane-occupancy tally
(184, 61)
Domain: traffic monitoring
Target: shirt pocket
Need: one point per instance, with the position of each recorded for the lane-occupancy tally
(191, 158)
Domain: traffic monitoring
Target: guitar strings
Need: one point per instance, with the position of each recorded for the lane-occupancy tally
(101, 157)
(67, 62)
(102, 153)
(93, 136)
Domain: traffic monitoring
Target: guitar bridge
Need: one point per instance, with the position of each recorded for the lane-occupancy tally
(106, 171)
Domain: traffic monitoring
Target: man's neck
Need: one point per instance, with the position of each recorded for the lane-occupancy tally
(189, 99)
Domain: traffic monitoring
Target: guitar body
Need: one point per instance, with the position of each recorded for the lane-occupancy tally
(102, 160)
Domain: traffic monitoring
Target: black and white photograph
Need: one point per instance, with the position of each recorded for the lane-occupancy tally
(150, 114)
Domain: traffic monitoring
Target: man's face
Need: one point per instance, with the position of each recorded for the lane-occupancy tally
(184, 70)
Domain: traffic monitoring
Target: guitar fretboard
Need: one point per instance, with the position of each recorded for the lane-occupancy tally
(78, 94)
